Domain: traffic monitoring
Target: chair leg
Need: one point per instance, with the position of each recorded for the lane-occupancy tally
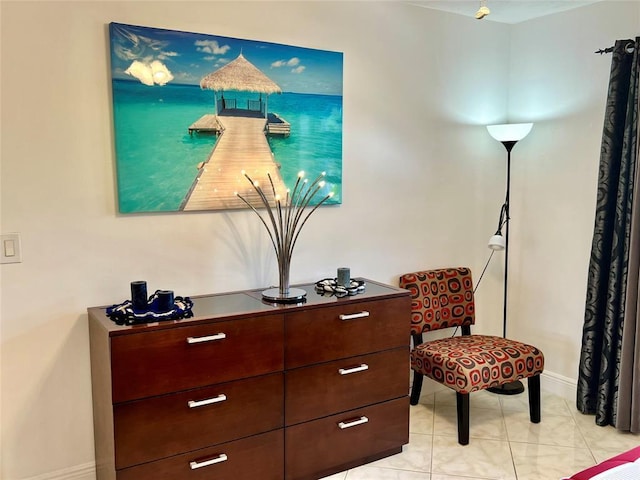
(416, 388)
(534, 398)
(462, 404)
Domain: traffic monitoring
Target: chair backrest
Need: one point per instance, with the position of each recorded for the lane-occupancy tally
(440, 298)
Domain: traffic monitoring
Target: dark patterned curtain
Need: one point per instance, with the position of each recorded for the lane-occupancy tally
(612, 289)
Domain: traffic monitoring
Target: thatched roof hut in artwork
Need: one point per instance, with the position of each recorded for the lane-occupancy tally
(240, 75)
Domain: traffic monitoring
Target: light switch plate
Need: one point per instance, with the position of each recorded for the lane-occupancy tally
(10, 251)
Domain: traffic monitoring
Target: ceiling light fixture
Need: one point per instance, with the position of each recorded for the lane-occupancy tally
(483, 11)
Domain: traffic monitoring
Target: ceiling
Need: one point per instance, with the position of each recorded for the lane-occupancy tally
(504, 11)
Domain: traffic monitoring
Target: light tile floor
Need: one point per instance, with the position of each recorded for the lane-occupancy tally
(504, 444)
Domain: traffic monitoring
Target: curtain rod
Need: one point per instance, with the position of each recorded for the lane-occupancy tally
(629, 47)
(606, 50)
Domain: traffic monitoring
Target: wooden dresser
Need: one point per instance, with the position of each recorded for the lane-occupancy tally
(250, 390)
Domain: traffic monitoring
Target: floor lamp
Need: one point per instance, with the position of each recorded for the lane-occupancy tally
(508, 135)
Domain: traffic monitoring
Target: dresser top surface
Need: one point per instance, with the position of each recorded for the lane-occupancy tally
(248, 303)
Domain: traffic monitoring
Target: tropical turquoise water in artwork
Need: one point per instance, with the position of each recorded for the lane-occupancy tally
(158, 158)
(157, 75)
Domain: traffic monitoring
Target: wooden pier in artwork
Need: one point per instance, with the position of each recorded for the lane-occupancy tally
(242, 145)
(207, 123)
(277, 125)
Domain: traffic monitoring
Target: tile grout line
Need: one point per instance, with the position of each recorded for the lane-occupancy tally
(584, 438)
(506, 431)
(433, 436)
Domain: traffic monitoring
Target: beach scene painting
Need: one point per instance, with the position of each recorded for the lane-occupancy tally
(196, 115)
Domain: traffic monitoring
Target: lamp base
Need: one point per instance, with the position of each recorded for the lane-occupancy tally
(511, 388)
(295, 295)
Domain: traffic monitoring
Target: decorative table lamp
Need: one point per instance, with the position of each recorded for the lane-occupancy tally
(286, 217)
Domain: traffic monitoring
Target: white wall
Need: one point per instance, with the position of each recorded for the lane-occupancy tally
(423, 184)
(558, 82)
(417, 165)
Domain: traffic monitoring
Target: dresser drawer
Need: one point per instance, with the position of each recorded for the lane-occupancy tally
(322, 445)
(257, 457)
(328, 388)
(158, 427)
(164, 361)
(346, 330)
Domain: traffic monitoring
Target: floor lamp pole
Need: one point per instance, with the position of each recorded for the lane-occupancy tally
(512, 388)
(509, 146)
(508, 135)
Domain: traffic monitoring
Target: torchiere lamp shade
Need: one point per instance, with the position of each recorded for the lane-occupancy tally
(512, 132)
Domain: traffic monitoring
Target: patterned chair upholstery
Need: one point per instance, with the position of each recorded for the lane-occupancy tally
(443, 298)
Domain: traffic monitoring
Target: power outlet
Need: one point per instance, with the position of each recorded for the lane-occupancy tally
(10, 251)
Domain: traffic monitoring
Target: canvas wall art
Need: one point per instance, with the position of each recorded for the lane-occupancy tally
(193, 113)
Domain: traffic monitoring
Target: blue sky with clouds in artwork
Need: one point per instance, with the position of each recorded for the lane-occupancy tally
(188, 57)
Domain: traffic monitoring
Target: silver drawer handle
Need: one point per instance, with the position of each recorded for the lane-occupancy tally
(347, 371)
(360, 421)
(220, 458)
(201, 403)
(209, 338)
(352, 316)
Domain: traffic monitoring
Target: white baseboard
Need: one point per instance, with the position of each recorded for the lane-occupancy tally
(86, 471)
(560, 385)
